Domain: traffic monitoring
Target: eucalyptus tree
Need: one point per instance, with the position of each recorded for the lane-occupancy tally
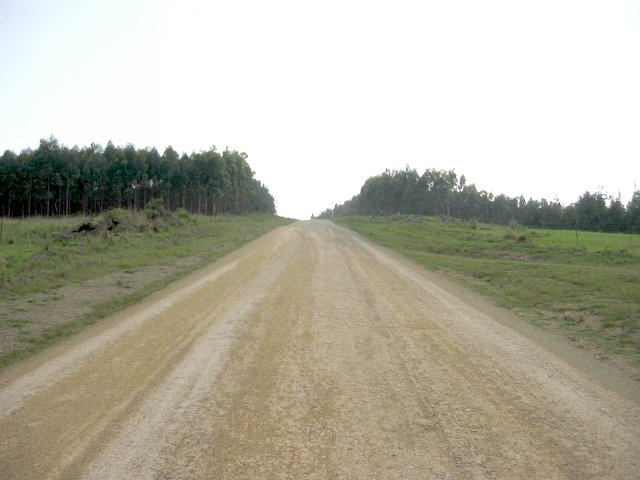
(440, 192)
(56, 180)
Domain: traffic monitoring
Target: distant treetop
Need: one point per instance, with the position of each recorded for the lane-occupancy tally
(440, 192)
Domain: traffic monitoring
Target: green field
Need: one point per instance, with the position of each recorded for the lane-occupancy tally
(40, 256)
(585, 285)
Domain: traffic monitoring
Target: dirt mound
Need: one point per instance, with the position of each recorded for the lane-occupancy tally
(153, 218)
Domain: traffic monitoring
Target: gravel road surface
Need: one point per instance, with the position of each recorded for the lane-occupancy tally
(312, 354)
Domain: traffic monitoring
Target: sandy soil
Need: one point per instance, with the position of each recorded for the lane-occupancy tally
(310, 353)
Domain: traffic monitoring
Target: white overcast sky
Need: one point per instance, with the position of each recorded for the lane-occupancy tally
(540, 98)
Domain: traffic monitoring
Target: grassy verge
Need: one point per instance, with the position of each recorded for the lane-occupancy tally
(39, 258)
(584, 285)
(40, 254)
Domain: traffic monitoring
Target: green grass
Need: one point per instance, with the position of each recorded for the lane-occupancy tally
(584, 285)
(39, 255)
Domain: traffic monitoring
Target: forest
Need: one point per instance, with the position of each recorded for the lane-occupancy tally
(55, 180)
(439, 192)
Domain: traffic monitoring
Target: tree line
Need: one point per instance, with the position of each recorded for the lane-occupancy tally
(440, 192)
(56, 180)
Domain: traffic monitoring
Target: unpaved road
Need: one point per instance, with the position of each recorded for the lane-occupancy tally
(310, 353)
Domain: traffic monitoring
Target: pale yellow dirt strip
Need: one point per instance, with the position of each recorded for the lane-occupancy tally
(313, 354)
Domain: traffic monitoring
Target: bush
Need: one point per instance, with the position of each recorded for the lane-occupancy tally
(155, 208)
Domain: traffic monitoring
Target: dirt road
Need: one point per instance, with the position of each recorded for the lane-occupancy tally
(310, 353)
